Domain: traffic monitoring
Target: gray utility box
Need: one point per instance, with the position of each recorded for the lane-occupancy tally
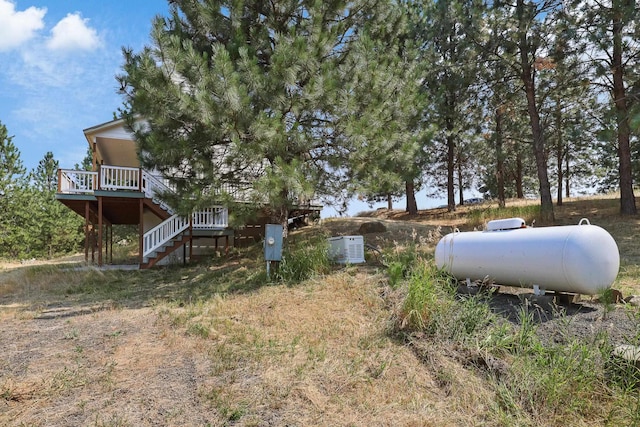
(346, 249)
(273, 242)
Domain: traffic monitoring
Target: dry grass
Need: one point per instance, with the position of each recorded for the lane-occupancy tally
(317, 354)
(214, 344)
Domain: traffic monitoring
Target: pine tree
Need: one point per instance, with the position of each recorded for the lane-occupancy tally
(446, 29)
(244, 93)
(45, 177)
(87, 161)
(522, 32)
(53, 229)
(382, 106)
(14, 209)
(609, 30)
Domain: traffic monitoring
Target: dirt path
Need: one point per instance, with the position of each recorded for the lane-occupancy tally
(113, 367)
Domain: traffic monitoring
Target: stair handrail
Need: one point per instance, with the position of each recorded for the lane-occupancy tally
(151, 185)
(162, 233)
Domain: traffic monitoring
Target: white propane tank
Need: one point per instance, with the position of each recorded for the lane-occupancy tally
(580, 259)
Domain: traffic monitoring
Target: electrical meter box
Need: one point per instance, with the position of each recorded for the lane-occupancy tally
(273, 242)
(346, 249)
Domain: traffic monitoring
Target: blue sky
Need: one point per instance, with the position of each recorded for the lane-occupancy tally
(59, 60)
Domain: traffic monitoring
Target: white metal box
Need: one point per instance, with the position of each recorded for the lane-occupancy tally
(346, 249)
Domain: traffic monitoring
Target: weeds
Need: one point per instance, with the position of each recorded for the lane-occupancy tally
(536, 383)
(428, 298)
(303, 260)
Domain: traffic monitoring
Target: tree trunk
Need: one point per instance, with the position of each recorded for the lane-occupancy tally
(567, 176)
(559, 152)
(389, 202)
(519, 179)
(627, 198)
(527, 76)
(460, 182)
(412, 205)
(451, 147)
(280, 215)
(499, 159)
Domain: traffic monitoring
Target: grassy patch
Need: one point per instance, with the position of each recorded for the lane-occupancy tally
(534, 383)
(478, 217)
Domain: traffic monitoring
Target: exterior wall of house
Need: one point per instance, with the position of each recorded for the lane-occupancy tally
(150, 220)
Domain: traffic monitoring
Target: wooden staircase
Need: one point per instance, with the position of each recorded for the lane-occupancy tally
(166, 249)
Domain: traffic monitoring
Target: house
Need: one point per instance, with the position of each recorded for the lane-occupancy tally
(118, 191)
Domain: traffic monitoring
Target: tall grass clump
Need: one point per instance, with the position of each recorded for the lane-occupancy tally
(477, 218)
(400, 262)
(424, 301)
(554, 384)
(432, 306)
(303, 260)
(534, 382)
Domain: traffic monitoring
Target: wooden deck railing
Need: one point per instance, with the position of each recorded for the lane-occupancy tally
(73, 181)
(212, 218)
(120, 178)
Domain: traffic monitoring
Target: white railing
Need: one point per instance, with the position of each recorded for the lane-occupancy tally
(152, 185)
(75, 181)
(119, 178)
(162, 233)
(238, 191)
(136, 179)
(212, 218)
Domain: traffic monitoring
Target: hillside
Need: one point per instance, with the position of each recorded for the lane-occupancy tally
(216, 344)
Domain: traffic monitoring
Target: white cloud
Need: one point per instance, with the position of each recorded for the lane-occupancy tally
(17, 27)
(73, 33)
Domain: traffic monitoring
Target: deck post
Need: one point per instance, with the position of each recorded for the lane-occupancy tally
(141, 233)
(100, 231)
(190, 240)
(86, 231)
(110, 243)
(94, 161)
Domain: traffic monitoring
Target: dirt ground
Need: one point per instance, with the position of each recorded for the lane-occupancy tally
(561, 321)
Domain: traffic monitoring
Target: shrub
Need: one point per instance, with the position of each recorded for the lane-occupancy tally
(303, 260)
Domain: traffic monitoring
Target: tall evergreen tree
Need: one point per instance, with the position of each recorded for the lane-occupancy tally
(525, 37)
(244, 92)
(446, 29)
(87, 161)
(45, 177)
(12, 169)
(53, 229)
(382, 106)
(610, 32)
(13, 199)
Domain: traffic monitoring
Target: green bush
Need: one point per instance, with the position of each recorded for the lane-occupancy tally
(399, 262)
(303, 260)
(429, 298)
